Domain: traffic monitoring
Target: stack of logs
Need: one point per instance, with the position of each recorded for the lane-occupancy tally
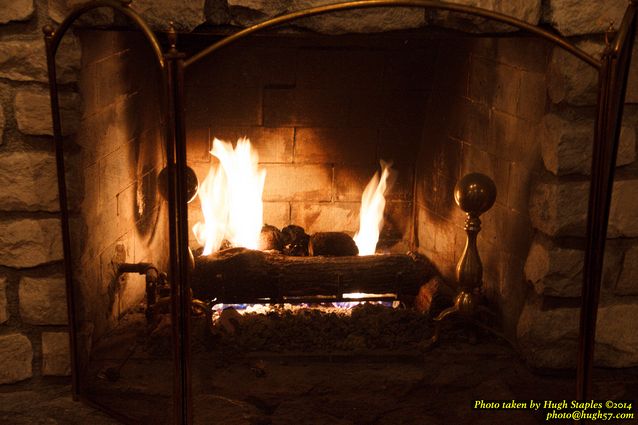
(295, 267)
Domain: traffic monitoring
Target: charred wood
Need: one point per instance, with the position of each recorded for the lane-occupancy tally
(336, 244)
(295, 241)
(240, 275)
(270, 238)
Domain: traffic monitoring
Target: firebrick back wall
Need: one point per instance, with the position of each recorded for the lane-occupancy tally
(321, 116)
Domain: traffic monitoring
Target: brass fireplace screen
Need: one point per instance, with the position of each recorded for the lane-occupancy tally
(613, 69)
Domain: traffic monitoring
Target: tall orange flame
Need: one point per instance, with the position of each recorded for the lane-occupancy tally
(371, 214)
(231, 198)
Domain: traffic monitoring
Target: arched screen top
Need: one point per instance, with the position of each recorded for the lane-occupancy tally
(425, 4)
(118, 5)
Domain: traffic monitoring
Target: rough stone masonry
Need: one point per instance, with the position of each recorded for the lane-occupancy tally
(32, 320)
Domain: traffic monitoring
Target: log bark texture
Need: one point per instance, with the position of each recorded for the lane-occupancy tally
(240, 275)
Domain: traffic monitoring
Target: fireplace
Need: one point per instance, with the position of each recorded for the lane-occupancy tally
(323, 111)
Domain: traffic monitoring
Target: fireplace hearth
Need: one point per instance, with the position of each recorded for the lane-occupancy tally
(264, 218)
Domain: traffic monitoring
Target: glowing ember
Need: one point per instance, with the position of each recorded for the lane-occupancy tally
(342, 308)
(231, 198)
(371, 215)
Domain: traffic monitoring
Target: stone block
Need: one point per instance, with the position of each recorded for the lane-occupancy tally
(559, 208)
(248, 12)
(25, 60)
(583, 17)
(326, 217)
(217, 12)
(628, 281)
(43, 301)
(566, 145)
(525, 10)
(4, 308)
(16, 10)
(632, 83)
(2, 124)
(60, 9)
(28, 182)
(569, 79)
(361, 21)
(55, 354)
(184, 14)
(30, 242)
(16, 355)
(548, 338)
(624, 204)
(33, 111)
(293, 182)
(557, 271)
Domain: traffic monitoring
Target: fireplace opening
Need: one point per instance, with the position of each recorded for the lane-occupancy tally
(289, 322)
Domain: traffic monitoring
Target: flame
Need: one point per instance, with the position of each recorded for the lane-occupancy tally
(231, 198)
(371, 215)
(214, 201)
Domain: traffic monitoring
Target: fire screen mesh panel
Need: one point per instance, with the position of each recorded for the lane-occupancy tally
(119, 218)
(257, 233)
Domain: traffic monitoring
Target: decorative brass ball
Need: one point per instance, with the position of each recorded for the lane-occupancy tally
(475, 193)
(192, 184)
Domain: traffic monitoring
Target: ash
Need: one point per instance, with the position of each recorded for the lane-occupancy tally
(367, 326)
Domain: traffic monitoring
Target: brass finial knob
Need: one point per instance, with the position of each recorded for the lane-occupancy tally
(610, 33)
(475, 193)
(48, 30)
(172, 35)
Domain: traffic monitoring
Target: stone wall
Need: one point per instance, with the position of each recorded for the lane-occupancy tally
(32, 329)
(33, 317)
(548, 327)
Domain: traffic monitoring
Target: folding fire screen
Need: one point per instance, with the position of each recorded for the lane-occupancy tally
(138, 237)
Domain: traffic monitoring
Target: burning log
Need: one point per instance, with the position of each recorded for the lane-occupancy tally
(240, 275)
(334, 244)
(295, 240)
(270, 238)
